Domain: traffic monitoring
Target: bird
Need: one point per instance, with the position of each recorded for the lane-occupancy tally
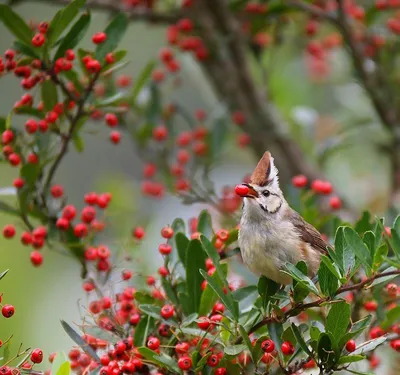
(271, 233)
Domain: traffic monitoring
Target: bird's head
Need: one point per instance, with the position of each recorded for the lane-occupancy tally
(263, 194)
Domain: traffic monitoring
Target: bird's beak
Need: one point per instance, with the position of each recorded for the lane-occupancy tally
(252, 194)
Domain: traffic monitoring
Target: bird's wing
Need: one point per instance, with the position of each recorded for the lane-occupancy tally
(307, 232)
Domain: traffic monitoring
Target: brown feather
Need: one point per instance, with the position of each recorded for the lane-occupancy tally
(261, 172)
(307, 232)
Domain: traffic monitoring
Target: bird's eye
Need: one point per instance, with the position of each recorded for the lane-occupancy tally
(266, 193)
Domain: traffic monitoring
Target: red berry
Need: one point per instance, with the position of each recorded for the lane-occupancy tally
(395, 344)
(43, 27)
(126, 275)
(18, 183)
(134, 319)
(299, 181)
(238, 118)
(321, 187)
(69, 212)
(138, 233)
(213, 360)
(8, 311)
(37, 356)
(185, 24)
(36, 258)
(57, 191)
(111, 119)
(241, 190)
(268, 346)
(185, 363)
(167, 232)
(88, 214)
(182, 347)
(9, 231)
(91, 198)
(221, 371)
(7, 136)
(110, 59)
(153, 343)
(166, 54)
(70, 55)
(32, 158)
(149, 170)
(38, 40)
(376, 332)
(93, 66)
(115, 137)
(163, 271)
(165, 249)
(335, 203)
(167, 311)
(160, 133)
(351, 346)
(80, 230)
(14, 159)
(9, 54)
(371, 305)
(62, 223)
(99, 38)
(392, 289)
(26, 238)
(287, 348)
(203, 322)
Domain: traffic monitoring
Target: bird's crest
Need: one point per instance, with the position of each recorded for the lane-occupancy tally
(265, 172)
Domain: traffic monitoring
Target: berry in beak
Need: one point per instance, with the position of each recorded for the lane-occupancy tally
(246, 191)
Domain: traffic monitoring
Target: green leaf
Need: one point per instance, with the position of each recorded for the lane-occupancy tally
(78, 142)
(204, 224)
(338, 320)
(169, 291)
(392, 316)
(364, 223)
(30, 173)
(26, 50)
(297, 275)
(234, 350)
(369, 345)
(226, 299)
(246, 340)
(209, 297)
(58, 361)
(30, 111)
(213, 254)
(79, 341)
(62, 20)
(356, 329)
(74, 36)
(383, 280)
(218, 136)
(151, 310)
(266, 288)
(15, 24)
(160, 360)
(196, 332)
(343, 256)
(65, 369)
(327, 280)
(326, 350)
(76, 137)
(361, 251)
(49, 94)
(3, 274)
(114, 31)
(182, 243)
(369, 240)
(246, 297)
(331, 267)
(195, 261)
(395, 242)
(350, 359)
(300, 340)
(380, 255)
(141, 81)
(142, 330)
(275, 331)
(112, 101)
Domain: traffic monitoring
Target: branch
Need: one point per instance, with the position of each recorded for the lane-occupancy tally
(304, 306)
(137, 14)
